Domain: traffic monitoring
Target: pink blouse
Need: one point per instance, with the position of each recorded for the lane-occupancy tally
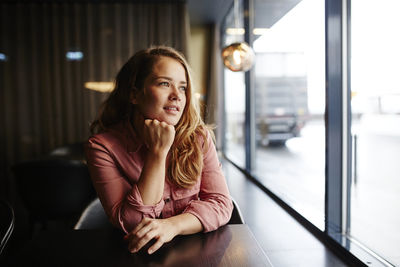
(115, 159)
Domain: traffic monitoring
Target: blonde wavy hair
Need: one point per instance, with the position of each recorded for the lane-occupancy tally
(186, 154)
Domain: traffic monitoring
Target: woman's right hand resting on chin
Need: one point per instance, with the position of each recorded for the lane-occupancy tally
(158, 137)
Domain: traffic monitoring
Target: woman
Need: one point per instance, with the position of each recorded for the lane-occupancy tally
(152, 159)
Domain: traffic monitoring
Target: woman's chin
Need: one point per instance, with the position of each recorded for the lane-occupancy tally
(169, 121)
(172, 122)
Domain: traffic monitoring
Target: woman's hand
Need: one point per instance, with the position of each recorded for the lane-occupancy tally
(158, 136)
(162, 230)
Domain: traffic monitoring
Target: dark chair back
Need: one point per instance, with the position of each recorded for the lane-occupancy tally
(93, 217)
(54, 188)
(6, 223)
(236, 217)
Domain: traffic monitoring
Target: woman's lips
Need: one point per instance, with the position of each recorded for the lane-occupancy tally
(172, 109)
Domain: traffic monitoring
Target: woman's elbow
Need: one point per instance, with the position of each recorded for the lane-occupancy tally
(228, 211)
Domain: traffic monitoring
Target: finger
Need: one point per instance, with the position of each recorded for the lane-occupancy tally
(147, 122)
(143, 223)
(139, 232)
(155, 246)
(145, 229)
(154, 122)
(136, 246)
(171, 128)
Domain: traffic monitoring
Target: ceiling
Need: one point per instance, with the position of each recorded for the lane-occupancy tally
(208, 11)
(267, 12)
(203, 12)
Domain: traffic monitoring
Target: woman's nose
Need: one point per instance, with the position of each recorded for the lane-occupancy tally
(175, 94)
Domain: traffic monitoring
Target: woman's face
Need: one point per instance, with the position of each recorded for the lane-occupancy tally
(164, 94)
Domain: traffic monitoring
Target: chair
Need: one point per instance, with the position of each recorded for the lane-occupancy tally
(6, 223)
(53, 189)
(94, 217)
(236, 217)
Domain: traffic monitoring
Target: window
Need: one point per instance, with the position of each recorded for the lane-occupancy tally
(234, 84)
(290, 104)
(375, 56)
(327, 134)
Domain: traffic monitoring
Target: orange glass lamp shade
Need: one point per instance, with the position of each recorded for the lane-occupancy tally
(238, 56)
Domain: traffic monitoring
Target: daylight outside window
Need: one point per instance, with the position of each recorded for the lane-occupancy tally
(235, 95)
(375, 90)
(290, 104)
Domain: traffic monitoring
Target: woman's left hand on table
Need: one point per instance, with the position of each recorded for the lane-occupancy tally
(162, 230)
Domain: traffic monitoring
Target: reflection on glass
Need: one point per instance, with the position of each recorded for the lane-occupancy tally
(290, 103)
(375, 195)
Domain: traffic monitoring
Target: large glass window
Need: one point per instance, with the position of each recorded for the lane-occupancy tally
(235, 93)
(290, 103)
(290, 130)
(375, 90)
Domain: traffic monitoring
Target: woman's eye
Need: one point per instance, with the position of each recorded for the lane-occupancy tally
(183, 88)
(164, 83)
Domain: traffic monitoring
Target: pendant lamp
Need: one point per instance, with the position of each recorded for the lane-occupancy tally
(238, 56)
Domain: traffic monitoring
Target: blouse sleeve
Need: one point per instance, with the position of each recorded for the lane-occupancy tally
(121, 201)
(214, 206)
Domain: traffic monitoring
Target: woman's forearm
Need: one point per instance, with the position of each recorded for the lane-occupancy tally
(186, 224)
(151, 180)
(158, 137)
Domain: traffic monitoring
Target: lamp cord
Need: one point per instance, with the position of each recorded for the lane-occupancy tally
(236, 14)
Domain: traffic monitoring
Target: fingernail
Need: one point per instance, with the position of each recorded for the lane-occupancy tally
(150, 251)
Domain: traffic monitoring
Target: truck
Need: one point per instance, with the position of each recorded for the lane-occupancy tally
(281, 108)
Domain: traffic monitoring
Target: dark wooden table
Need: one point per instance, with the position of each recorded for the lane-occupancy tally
(231, 245)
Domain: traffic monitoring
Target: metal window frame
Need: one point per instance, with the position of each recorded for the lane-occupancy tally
(334, 142)
(250, 135)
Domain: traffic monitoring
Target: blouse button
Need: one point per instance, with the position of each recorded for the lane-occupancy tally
(167, 200)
